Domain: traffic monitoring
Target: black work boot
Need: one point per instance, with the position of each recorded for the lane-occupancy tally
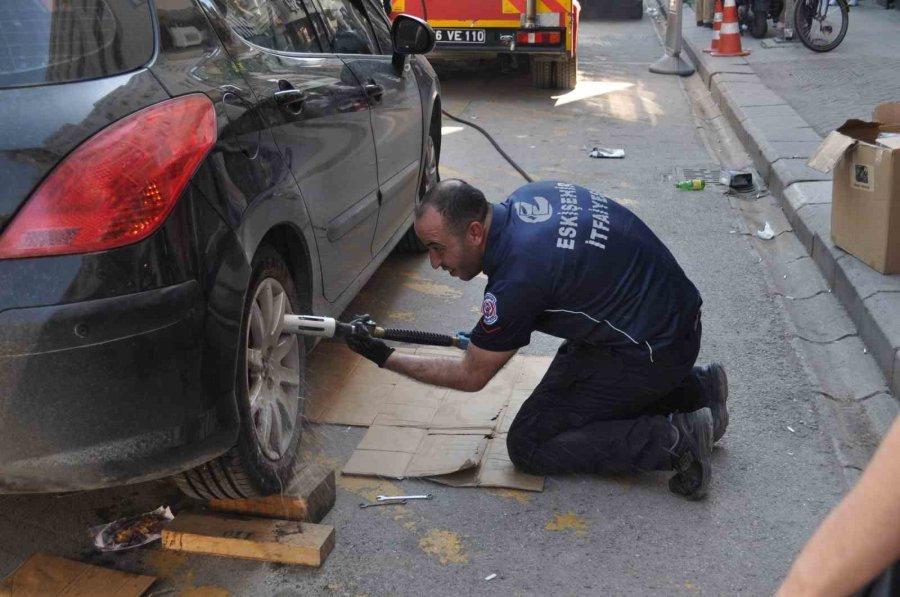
(691, 453)
(715, 388)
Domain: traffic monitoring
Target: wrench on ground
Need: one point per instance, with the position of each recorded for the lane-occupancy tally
(391, 498)
(391, 503)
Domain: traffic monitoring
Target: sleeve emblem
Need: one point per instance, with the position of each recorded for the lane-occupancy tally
(489, 309)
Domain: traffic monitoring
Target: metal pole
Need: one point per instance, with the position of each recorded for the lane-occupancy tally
(530, 11)
(672, 63)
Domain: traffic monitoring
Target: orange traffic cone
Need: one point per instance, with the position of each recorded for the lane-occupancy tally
(730, 33)
(717, 24)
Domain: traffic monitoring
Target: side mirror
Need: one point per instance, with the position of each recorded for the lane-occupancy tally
(412, 35)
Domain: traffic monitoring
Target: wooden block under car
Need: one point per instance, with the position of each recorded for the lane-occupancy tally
(43, 575)
(308, 499)
(283, 541)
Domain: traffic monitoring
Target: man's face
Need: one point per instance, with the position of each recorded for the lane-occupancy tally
(461, 257)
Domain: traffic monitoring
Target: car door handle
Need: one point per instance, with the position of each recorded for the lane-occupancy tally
(292, 98)
(374, 90)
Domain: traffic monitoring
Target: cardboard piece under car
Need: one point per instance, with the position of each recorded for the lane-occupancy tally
(346, 389)
(282, 541)
(43, 575)
(416, 430)
(865, 196)
(460, 459)
(495, 470)
(400, 452)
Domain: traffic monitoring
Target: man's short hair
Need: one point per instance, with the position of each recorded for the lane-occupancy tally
(458, 202)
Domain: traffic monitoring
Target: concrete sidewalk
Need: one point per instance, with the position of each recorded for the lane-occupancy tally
(776, 130)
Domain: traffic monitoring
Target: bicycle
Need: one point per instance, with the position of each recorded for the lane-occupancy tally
(821, 26)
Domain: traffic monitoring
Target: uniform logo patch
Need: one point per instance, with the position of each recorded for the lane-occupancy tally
(489, 309)
(533, 211)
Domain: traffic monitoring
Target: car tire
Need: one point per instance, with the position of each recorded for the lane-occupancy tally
(271, 373)
(410, 242)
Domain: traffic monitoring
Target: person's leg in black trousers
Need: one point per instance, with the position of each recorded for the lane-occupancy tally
(591, 412)
(703, 386)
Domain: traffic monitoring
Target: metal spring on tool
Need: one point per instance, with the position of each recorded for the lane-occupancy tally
(416, 337)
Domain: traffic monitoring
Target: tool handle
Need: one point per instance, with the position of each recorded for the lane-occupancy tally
(416, 337)
(413, 336)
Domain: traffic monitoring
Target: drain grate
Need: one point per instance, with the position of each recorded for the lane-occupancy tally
(707, 175)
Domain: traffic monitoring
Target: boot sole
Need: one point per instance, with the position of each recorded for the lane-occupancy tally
(722, 407)
(704, 442)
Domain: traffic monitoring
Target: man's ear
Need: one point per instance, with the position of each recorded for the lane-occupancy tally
(475, 233)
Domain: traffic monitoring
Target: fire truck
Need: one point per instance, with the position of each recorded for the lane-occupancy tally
(544, 30)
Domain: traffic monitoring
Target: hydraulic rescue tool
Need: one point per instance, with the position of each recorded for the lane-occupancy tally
(328, 327)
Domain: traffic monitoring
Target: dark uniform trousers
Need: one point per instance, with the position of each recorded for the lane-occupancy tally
(601, 410)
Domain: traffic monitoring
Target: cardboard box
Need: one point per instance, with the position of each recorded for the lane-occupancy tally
(865, 197)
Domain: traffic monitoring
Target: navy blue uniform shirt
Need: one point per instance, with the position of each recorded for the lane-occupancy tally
(569, 262)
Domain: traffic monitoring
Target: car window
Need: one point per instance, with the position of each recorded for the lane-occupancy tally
(57, 41)
(349, 27)
(380, 25)
(281, 25)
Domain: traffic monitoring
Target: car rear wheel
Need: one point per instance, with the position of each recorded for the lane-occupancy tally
(271, 374)
(410, 242)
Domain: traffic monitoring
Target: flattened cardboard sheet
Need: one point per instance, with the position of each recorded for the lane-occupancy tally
(471, 460)
(418, 430)
(496, 470)
(401, 452)
(346, 389)
(44, 575)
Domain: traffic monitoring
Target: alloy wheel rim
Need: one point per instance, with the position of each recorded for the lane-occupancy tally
(429, 176)
(273, 370)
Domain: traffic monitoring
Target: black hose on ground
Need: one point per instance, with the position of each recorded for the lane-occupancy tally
(511, 161)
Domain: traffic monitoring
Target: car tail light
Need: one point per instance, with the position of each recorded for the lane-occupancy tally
(117, 187)
(538, 38)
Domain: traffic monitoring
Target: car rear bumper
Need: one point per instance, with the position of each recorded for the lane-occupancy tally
(106, 392)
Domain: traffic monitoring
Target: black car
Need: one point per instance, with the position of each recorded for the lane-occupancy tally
(176, 176)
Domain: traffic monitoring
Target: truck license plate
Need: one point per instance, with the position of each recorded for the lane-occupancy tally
(460, 36)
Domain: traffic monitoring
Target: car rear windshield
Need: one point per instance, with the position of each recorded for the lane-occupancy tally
(57, 41)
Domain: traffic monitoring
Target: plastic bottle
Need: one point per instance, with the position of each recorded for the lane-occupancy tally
(695, 184)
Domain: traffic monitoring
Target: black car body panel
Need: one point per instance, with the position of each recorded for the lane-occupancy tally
(120, 366)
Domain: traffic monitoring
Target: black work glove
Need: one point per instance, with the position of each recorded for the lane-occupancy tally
(362, 343)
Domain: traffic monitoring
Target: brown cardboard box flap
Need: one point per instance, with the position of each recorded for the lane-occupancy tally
(830, 151)
(887, 113)
(885, 119)
(860, 130)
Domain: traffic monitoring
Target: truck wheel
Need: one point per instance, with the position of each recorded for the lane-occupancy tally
(271, 373)
(565, 73)
(410, 242)
(542, 74)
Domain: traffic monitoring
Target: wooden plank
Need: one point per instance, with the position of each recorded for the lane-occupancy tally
(308, 499)
(283, 541)
(43, 575)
